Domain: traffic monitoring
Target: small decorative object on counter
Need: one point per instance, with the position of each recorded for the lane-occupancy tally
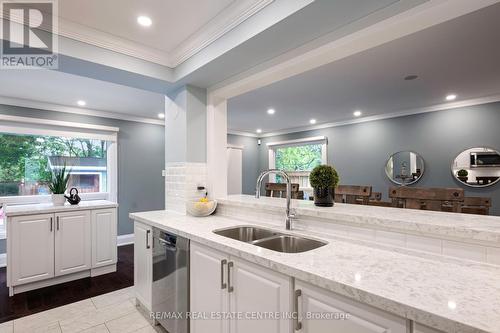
(324, 179)
(74, 198)
(58, 185)
(202, 207)
(463, 175)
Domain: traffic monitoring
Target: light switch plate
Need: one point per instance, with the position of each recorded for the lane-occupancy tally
(163, 173)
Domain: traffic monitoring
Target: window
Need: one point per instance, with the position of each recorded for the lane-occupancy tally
(297, 158)
(26, 163)
(30, 148)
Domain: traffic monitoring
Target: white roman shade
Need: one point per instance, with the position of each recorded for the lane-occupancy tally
(46, 127)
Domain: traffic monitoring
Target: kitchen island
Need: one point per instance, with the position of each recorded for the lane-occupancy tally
(390, 269)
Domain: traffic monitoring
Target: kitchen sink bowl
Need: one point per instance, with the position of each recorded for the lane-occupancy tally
(246, 234)
(289, 244)
(270, 239)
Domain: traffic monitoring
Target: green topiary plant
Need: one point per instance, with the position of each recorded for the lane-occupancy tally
(59, 181)
(324, 176)
(462, 173)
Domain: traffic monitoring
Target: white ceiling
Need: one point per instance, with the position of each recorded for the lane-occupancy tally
(46, 86)
(173, 20)
(459, 56)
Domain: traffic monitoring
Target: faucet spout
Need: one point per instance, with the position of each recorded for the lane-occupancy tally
(289, 215)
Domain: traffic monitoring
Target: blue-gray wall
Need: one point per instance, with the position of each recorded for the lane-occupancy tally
(141, 159)
(360, 151)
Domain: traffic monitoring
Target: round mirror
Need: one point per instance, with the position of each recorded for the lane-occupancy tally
(477, 167)
(405, 168)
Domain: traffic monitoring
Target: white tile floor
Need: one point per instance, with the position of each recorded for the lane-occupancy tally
(109, 313)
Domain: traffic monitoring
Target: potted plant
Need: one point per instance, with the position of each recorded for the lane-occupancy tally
(463, 175)
(58, 185)
(324, 179)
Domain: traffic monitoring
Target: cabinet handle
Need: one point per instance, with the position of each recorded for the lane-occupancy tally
(297, 323)
(147, 239)
(57, 219)
(230, 288)
(223, 285)
(51, 224)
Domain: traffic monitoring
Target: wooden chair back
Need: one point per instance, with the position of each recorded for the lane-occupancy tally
(427, 198)
(476, 205)
(278, 190)
(353, 194)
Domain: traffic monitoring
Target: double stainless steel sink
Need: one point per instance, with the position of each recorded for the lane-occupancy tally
(271, 240)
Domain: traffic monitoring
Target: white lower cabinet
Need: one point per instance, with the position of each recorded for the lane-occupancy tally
(104, 247)
(72, 242)
(31, 254)
(226, 285)
(143, 264)
(208, 288)
(46, 249)
(314, 302)
(260, 295)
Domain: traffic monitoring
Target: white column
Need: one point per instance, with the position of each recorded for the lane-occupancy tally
(216, 146)
(185, 147)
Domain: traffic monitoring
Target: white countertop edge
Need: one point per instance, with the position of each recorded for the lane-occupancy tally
(21, 210)
(383, 303)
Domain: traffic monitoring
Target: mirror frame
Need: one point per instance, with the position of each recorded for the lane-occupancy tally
(404, 184)
(467, 184)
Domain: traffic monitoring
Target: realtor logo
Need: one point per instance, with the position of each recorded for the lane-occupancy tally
(29, 34)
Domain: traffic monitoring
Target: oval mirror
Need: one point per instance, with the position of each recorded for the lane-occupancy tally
(405, 168)
(477, 167)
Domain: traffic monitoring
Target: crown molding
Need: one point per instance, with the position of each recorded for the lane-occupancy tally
(235, 14)
(404, 113)
(68, 109)
(228, 19)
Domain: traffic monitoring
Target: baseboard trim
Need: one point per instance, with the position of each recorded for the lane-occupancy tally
(3, 259)
(125, 239)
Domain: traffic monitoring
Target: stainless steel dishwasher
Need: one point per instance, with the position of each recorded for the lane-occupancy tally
(170, 301)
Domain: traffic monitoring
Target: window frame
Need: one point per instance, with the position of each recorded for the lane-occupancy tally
(17, 125)
(273, 146)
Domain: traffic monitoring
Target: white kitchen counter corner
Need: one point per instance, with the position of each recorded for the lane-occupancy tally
(19, 210)
(417, 287)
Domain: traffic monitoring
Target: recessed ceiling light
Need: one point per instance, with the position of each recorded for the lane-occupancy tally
(145, 21)
(271, 111)
(161, 115)
(258, 130)
(451, 97)
(312, 121)
(81, 103)
(357, 113)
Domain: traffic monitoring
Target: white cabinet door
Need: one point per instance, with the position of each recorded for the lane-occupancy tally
(104, 224)
(361, 318)
(208, 288)
(256, 291)
(73, 247)
(143, 266)
(32, 248)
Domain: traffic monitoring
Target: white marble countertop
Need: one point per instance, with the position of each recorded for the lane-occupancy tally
(460, 226)
(18, 210)
(449, 295)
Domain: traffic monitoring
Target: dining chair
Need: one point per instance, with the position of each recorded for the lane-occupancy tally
(435, 199)
(278, 190)
(353, 194)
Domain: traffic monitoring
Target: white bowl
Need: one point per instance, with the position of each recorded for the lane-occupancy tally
(200, 209)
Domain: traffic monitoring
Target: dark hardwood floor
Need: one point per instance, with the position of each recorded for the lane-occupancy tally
(34, 301)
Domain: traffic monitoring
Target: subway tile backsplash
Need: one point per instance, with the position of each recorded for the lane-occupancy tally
(181, 182)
